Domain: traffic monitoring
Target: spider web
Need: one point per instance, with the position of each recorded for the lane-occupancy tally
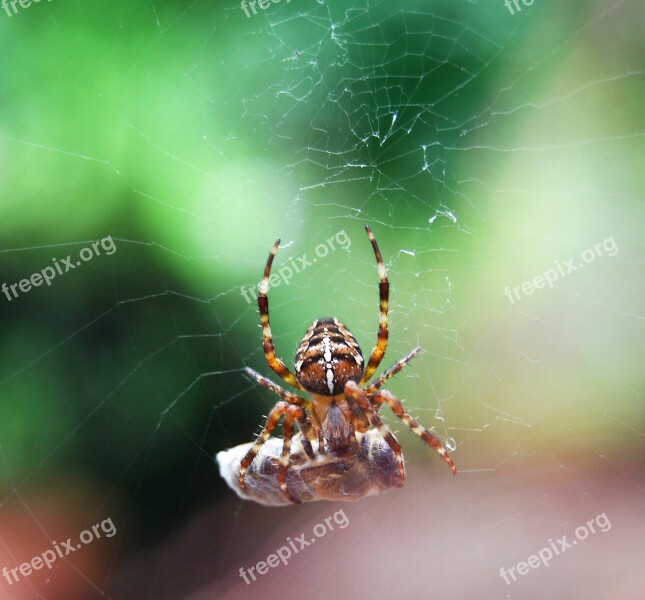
(481, 147)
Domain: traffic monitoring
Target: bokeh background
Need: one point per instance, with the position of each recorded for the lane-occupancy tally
(484, 145)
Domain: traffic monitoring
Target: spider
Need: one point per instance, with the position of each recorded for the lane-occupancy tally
(343, 449)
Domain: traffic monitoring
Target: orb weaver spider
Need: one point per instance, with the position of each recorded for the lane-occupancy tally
(343, 450)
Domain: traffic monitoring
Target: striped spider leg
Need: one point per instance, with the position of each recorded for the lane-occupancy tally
(369, 406)
(292, 407)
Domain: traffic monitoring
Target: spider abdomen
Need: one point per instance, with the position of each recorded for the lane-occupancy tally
(328, 357)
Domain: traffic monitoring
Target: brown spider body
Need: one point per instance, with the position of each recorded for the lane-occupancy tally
(343, 450)
(328, 357)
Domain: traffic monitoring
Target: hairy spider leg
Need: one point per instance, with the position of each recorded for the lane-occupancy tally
(263, 304)
(358, 395)
(305, 427)
(285, 457)
(384, 293)
(291, 412)
(391, 372)
(426, 435)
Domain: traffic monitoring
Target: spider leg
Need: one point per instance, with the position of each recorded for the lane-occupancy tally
(360, 420)
(426, 435)
(304, 424)
(291, 413)
(285, 457)
(384, 294)
(263, 304)
(391, 372)
(276, 389)
(354, 393)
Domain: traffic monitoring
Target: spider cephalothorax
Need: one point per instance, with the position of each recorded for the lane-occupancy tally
(343, 450)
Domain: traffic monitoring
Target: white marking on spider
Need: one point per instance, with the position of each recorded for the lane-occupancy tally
(327, 349)
(330, 379)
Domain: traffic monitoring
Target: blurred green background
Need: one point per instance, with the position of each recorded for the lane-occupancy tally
(481, 147)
